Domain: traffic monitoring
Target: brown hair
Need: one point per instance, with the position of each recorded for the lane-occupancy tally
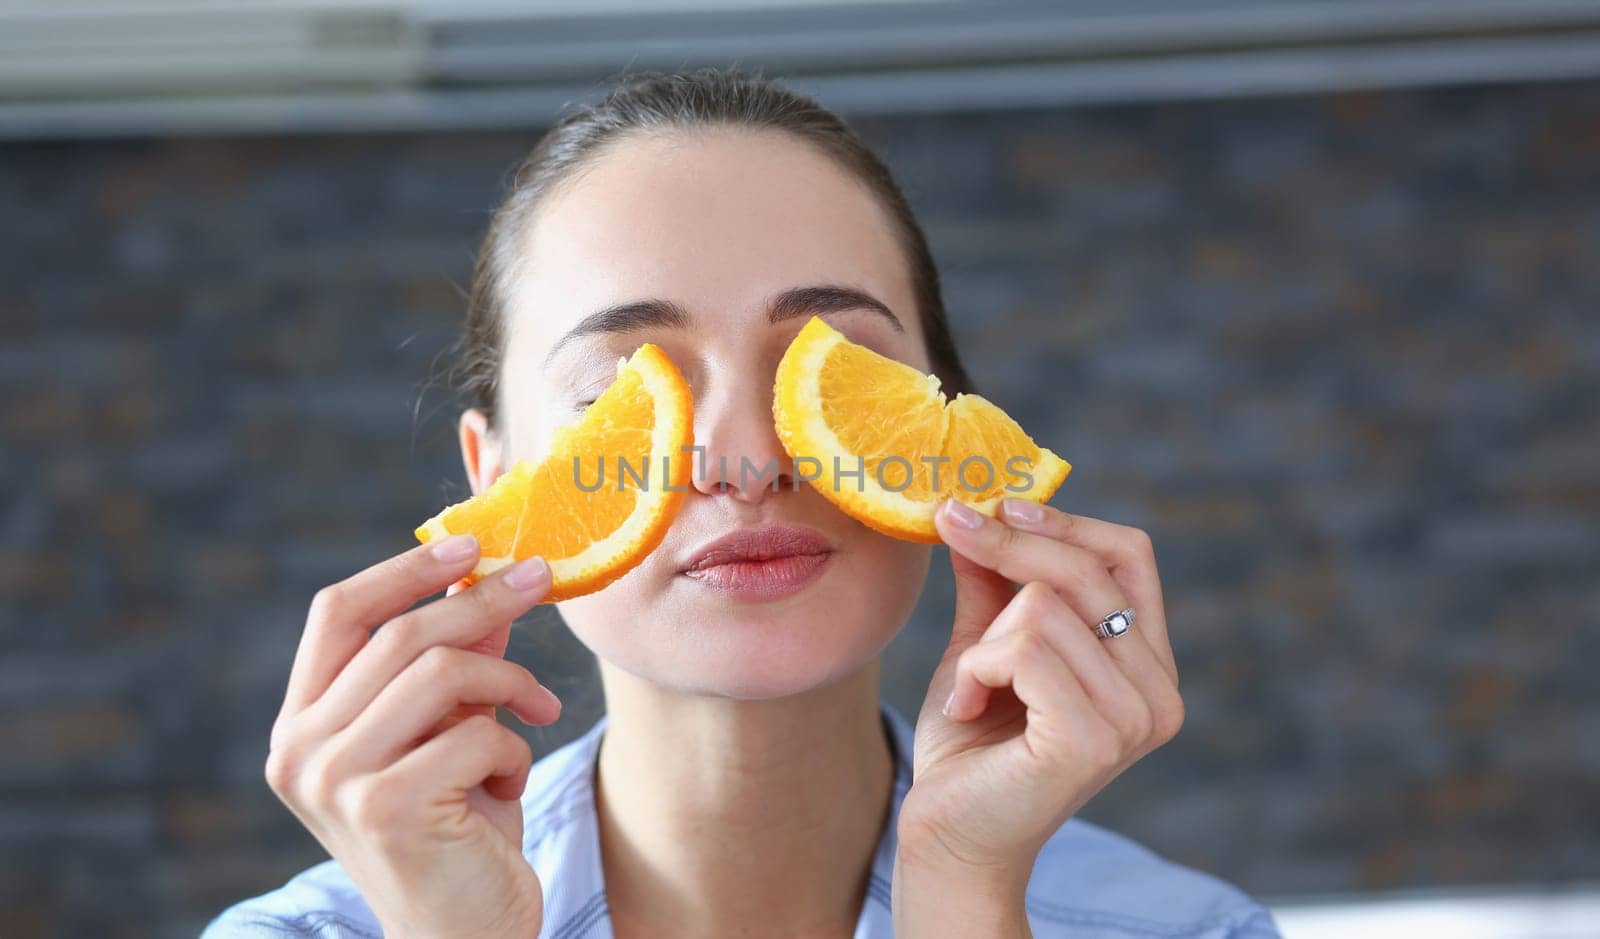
(651, 101)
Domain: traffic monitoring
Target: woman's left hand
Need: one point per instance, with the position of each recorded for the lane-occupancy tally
(1042, 713)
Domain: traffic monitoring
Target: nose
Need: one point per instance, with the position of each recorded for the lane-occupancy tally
(738, 452)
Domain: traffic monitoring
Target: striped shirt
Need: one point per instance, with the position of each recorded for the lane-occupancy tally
(1087, 881)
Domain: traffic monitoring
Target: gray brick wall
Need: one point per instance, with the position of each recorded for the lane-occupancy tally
(1338, 354)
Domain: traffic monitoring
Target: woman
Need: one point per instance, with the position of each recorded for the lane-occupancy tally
(746, 779)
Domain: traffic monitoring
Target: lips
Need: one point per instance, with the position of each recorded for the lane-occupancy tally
(751, 545)
(760, 565)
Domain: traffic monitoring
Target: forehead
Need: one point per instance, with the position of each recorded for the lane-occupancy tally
(715, 220)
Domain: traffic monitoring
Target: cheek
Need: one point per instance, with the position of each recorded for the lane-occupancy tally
(627, 600)
(531, 423)
(887, 576)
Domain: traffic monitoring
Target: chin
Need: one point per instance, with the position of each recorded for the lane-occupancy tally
(753, 679)
(709, 646)
(752, 653)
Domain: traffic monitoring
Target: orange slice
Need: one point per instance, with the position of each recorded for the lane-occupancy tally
(849, 409)
(593, 521)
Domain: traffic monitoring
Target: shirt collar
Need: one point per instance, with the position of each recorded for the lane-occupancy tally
(561, 837)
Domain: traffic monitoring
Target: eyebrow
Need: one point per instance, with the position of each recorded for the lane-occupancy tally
(797, 302)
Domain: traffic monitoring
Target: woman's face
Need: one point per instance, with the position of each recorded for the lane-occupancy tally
(718, 224)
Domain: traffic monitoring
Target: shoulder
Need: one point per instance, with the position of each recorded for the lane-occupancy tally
(318, 902)
(1090, 881)
(322, 902)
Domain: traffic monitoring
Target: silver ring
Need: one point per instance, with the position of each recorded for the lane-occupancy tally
(1115, 624)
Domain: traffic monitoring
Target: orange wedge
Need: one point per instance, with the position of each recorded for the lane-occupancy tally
(887, 447)
(595, 521)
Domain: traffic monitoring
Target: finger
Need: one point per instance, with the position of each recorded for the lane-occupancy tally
(1079, 575)
(429, 688)
(493, 644)
(1038, 611)
(477, 751)
(1124, 679)
(343, 614)
(477, 619)
(1128, 553)
(1058, 708)
(980, 596)
(981, 593)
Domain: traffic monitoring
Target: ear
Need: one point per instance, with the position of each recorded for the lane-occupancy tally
(480, 450)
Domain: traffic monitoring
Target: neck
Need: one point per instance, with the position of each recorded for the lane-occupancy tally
(728, 817)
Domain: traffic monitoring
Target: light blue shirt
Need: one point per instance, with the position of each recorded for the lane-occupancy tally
(1087, 882)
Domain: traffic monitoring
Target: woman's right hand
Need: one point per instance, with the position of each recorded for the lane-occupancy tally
(388, 751)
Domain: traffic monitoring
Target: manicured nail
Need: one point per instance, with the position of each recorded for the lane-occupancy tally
(1022, 511)
(455, 548)
(526, 575)
(962, 514)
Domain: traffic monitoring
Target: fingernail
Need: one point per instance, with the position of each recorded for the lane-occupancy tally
(455, 548)
(1022, 511)
(525, 575)
(962, 514)
(949, 703)
(554, 701)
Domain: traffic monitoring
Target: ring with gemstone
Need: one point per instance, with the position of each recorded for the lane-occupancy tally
(1115, 624)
